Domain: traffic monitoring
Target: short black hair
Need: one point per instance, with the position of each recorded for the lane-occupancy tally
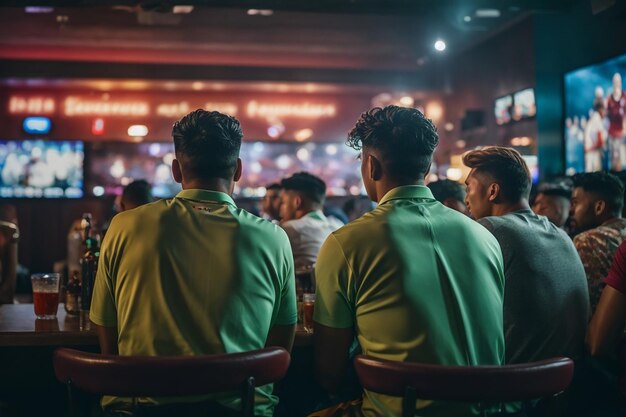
(273, 186)
(405, 138)
(138, 192)
(444, 189)
(506, 166)
(606, 186)
(309, 185)
(207, 143)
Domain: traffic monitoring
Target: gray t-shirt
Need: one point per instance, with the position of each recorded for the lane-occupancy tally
(546, 301)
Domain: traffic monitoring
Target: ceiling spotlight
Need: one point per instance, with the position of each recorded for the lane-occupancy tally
(467, 19)
(407, 101)
(440, 45)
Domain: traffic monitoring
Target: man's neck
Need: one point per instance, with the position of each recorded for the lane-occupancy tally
(384, 186)
(214, 184)
(506, 208)
(303, 212)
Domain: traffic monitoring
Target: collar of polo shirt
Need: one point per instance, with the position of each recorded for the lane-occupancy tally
(206, 195)
(407, 192)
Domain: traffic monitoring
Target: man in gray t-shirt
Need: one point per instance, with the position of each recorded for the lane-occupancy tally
(546, 301)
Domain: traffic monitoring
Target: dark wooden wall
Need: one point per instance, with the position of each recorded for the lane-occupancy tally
(474, 78)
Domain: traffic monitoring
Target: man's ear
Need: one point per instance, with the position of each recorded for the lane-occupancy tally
(374, 167)
(177, 172)
(493, 192)
(599, 207)
(238, 170)
(297, 200)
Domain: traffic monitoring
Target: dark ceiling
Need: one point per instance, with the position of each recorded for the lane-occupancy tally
(342, 36)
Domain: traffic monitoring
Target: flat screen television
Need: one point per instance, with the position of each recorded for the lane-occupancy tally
(41, 169)
(595, 117)
(524, 105)
(114, 164)
(502, 109)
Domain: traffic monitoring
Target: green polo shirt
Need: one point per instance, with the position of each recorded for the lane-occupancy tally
(194, 275)
(418, 282)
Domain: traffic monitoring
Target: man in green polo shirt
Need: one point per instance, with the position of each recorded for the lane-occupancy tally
(187, 276)
(413, 280)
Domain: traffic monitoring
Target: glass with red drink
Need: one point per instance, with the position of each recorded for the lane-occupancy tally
(308, 304)
(46, 295)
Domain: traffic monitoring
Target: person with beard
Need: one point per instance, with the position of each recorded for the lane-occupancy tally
(599, 229)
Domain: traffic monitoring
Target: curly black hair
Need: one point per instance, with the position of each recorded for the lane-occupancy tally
(405, 138)
(207, 143)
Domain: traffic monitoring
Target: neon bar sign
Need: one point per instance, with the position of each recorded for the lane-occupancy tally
(304, 110)
(31, 105)
(75, 106)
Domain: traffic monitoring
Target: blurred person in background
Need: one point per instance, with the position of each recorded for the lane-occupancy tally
(553, 202)
(598, 226)
(270, 204)
(136, 194)
(449, 193)
(9, 236)
(355, 207)
(302, 217)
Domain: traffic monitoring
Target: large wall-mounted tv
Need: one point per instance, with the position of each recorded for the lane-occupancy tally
(41, 169)
(114, 164)
(595, 118)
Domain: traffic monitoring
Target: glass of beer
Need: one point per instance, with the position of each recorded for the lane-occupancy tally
(308, 303)
(46, 295)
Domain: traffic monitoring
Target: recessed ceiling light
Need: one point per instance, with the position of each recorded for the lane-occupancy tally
(182, 9)
(488, 13)
(440, 45)
(261, 12)
(467, 18)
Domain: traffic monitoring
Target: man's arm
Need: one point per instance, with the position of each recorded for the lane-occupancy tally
(331, 355)
(107, 336)
(607, 324)
(281, 336)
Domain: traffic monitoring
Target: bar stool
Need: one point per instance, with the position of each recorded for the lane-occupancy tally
(472, 384)
(170, 376)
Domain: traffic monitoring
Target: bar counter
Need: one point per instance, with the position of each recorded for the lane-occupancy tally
(20, 327)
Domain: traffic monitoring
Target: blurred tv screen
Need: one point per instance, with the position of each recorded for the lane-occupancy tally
(41, 169)
(595, 116)
(524, 104)
(502, 109)
(115, 164)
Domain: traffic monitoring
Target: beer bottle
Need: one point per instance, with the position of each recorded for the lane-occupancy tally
(89, 263)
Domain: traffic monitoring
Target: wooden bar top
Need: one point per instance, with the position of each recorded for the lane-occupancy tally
(20, 327)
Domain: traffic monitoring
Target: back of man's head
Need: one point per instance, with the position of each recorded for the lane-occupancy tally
(136, 194)
(504, 166)
(446, 189)
(207, 145)
(450, 193)
(404, 138)
(603, 186)
(307, 185)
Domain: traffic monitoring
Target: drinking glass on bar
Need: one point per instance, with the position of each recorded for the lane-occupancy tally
(46, 295)
(308, 304)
